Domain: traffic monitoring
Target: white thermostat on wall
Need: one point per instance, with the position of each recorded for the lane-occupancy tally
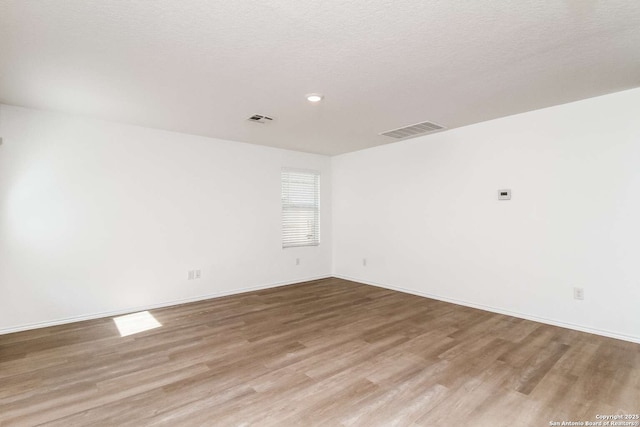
(504, 194)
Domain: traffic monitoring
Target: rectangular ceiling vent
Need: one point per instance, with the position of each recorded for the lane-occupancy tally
(259, 118)
(413, 130)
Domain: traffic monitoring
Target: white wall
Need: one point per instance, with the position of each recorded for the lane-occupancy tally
(97, 217)
(425, 214)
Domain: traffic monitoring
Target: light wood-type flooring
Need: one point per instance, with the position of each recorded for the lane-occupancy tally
(328, 352)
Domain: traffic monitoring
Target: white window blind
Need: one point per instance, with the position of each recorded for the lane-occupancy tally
(300, 208)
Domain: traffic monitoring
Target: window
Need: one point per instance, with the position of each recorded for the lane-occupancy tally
(300, 208)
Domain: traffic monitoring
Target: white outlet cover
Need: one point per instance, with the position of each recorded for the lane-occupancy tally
(504, 194)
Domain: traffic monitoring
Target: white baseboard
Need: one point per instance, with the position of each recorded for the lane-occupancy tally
(93, 316)
(553, 322)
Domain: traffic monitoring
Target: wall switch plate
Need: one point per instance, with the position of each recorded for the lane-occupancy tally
(191, 275)
(197, 274)
(504, 194)
(364, 262)
(578, 293)
(297, 261)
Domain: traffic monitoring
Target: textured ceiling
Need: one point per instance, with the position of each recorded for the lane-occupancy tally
(203, 67)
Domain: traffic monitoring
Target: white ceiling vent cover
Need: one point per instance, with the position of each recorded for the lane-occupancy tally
(413, 130)
(260, 118)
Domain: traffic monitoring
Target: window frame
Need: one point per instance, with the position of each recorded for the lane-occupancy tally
(307, 205)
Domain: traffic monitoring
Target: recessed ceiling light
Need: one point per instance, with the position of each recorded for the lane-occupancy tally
(314, 97)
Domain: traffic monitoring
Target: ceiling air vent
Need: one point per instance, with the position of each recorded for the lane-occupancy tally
(259, 118)
(413, 130)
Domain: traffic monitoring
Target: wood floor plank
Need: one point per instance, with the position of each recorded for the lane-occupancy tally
(325, 353)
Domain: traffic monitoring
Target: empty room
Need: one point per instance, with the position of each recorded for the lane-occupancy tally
(367, 213)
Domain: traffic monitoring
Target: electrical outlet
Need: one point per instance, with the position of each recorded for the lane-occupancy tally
(504, 194)
(364, 262)
(197, 274)
(578, 293)
(297, 261)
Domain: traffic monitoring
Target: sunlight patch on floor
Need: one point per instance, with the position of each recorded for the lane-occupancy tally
(134, 323)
